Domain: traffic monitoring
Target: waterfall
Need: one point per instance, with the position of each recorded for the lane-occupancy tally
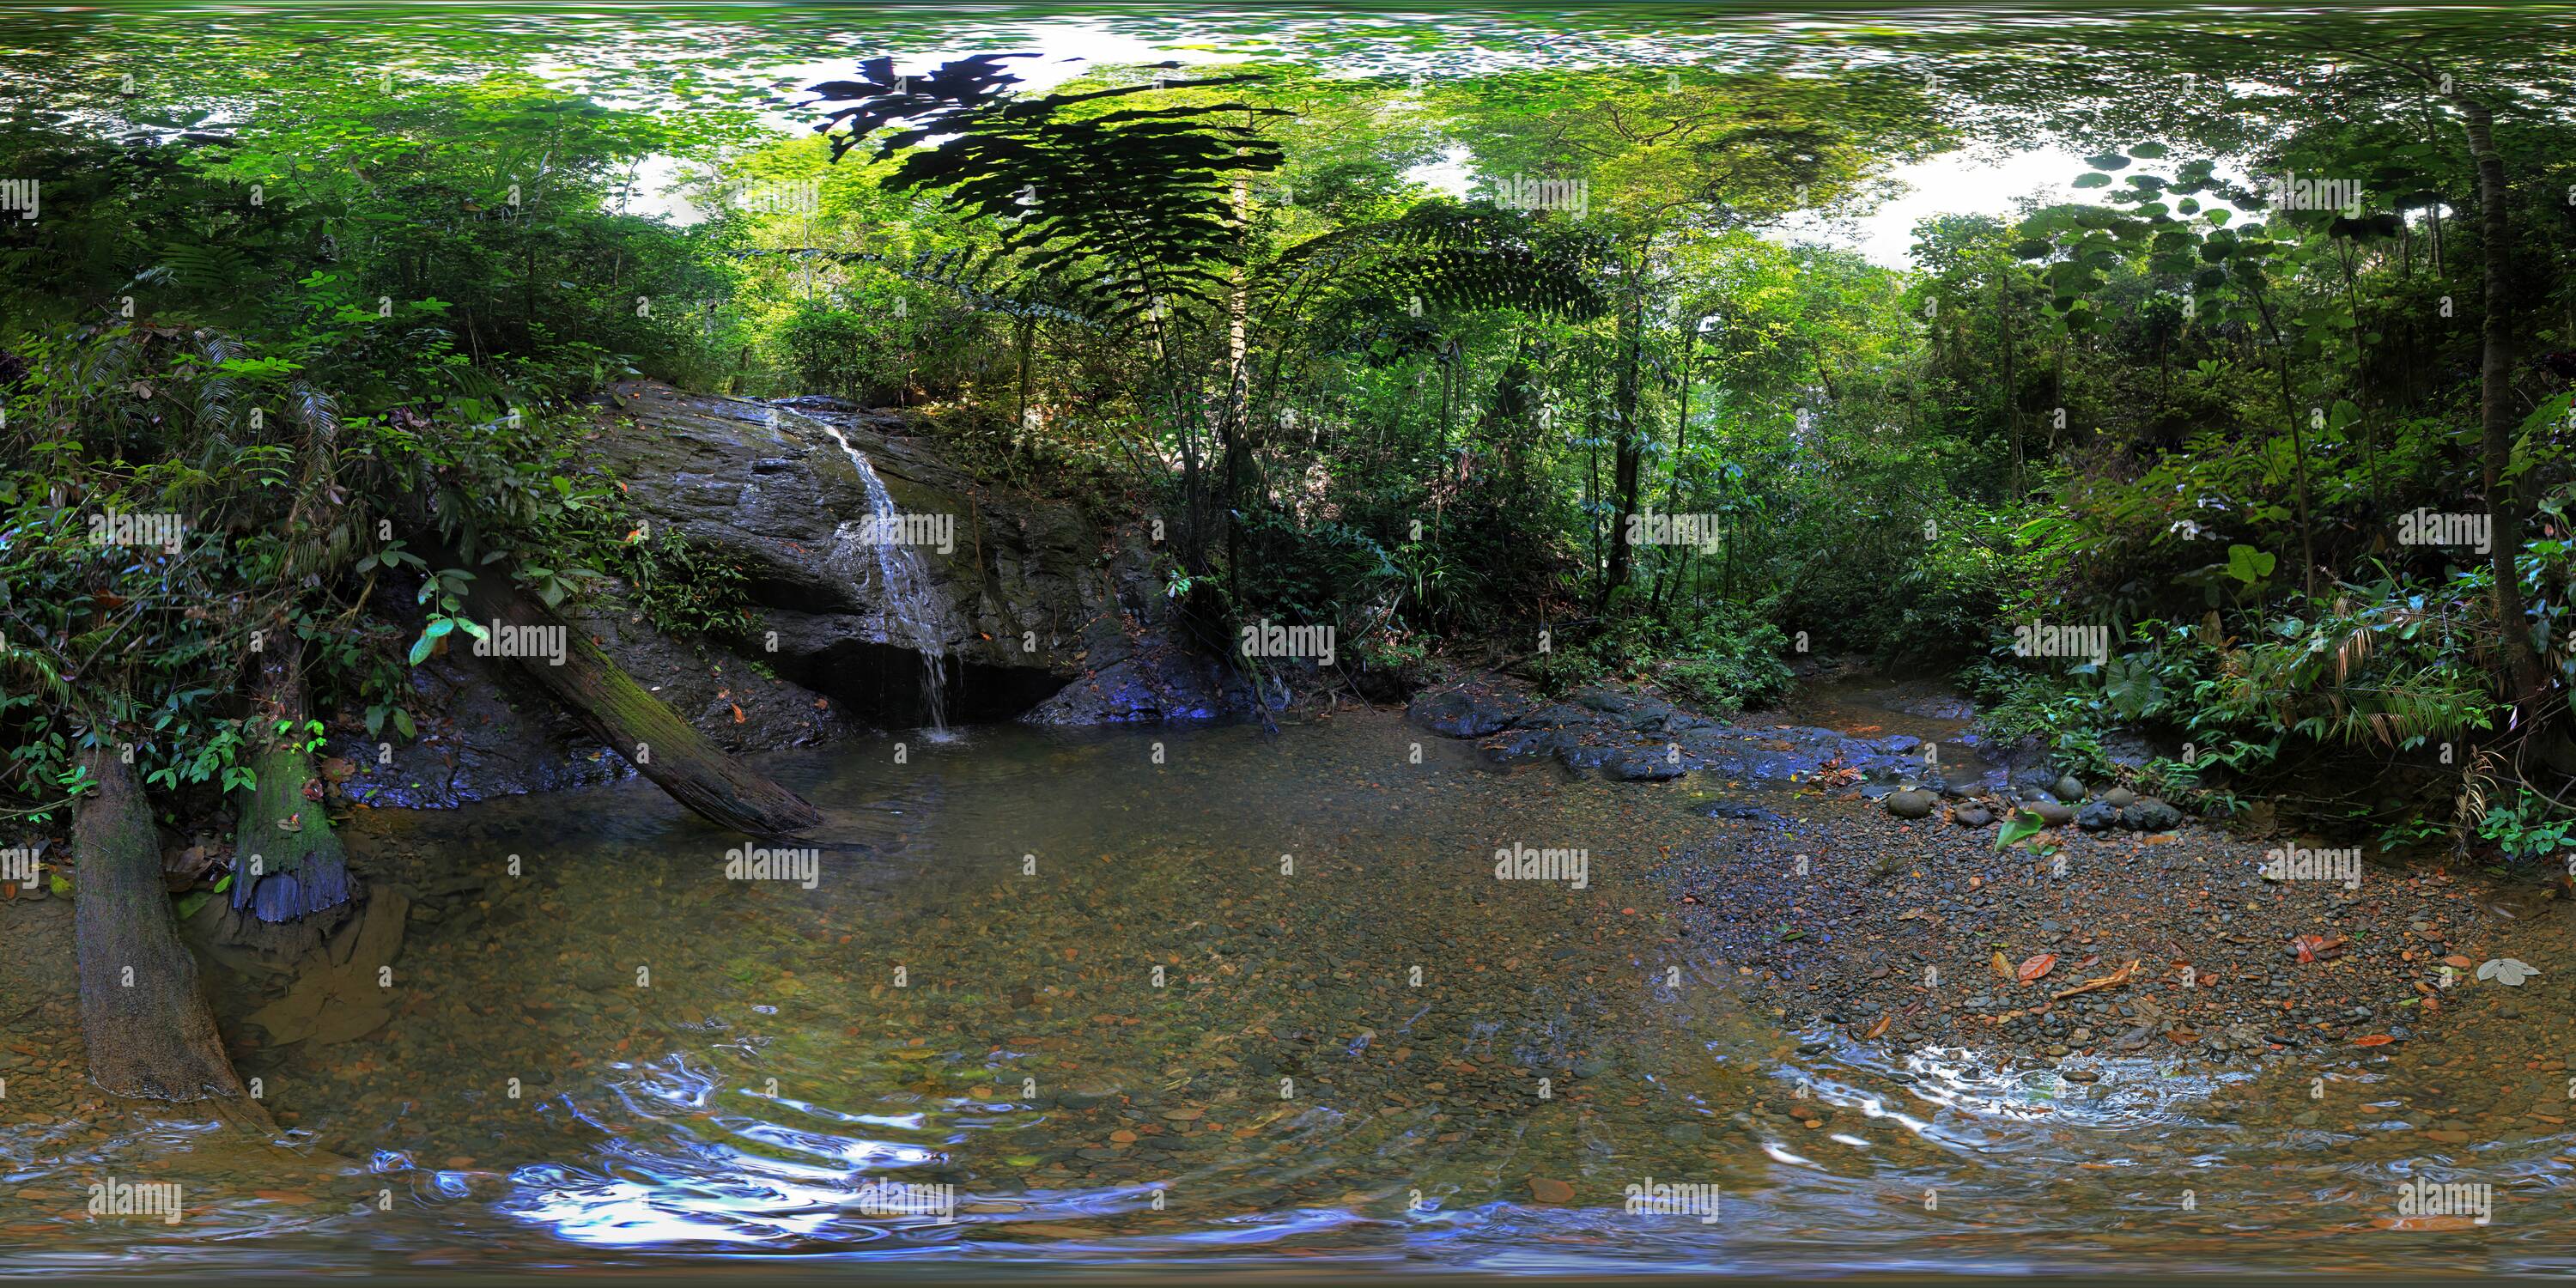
(911, 613)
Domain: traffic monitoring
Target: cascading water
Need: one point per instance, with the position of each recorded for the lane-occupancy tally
(912, 615)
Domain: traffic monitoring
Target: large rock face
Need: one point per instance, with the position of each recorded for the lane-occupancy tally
(1040, 610)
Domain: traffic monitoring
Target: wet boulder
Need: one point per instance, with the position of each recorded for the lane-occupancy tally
(2151, 815)
(1972, 816)
(1554, 713)
(2053, 813)
(1912, 802)
(1527, 744)
(1648, 764)
(1461, 713)
(1606, 701)
(2096, 817)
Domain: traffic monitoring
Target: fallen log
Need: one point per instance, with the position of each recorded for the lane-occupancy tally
(143, 1014)
(288, 863)
(630, 720)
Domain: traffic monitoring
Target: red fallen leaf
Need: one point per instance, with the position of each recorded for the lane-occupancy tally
(2455, 959)
(2036, 967)
(737, 712)
(2424, 1223)
(2375, 1039)
(1878, 1028)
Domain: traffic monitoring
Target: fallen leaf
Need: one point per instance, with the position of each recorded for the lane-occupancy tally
(2112, 980)
(1878, 1028)
(2508, 971)
(2375, 1039)
(2036, 967)
(2002, 968)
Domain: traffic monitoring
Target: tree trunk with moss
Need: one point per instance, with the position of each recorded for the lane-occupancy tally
(632, 722)
(288, 865)
(142, 1012)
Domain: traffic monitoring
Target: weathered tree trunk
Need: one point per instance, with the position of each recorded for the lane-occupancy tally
(2495, 399)
(288, 864)
(145, 1020)
(632, 722)
(1628, 453)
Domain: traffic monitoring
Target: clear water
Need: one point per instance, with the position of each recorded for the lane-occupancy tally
(970, 1001)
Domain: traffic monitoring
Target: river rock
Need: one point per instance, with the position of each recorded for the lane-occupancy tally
(1972, 816)
(2119, 798)
(1913, 802)
(2053, 813)
(2151, 815)
(2069, 789)
(1461, 713)
(1648, 764)
(2096, 817)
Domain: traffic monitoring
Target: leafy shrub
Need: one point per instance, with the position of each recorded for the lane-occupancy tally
(2529, 828)
(1734, 663)
(1558, 673)
(685, 588)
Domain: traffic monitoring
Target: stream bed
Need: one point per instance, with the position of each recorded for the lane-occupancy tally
(1188, 997)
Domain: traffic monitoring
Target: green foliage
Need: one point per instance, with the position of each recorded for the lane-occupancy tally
(1730, 660)
(2529, 829)
(688, 589)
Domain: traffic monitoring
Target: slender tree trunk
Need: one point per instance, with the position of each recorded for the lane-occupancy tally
(1681, 443)
(2495, 395)
(1628, 457)
(2298, 446)
(143, 1013)
(2012, 390)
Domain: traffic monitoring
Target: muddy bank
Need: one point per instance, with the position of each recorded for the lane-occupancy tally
(2123, 929)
